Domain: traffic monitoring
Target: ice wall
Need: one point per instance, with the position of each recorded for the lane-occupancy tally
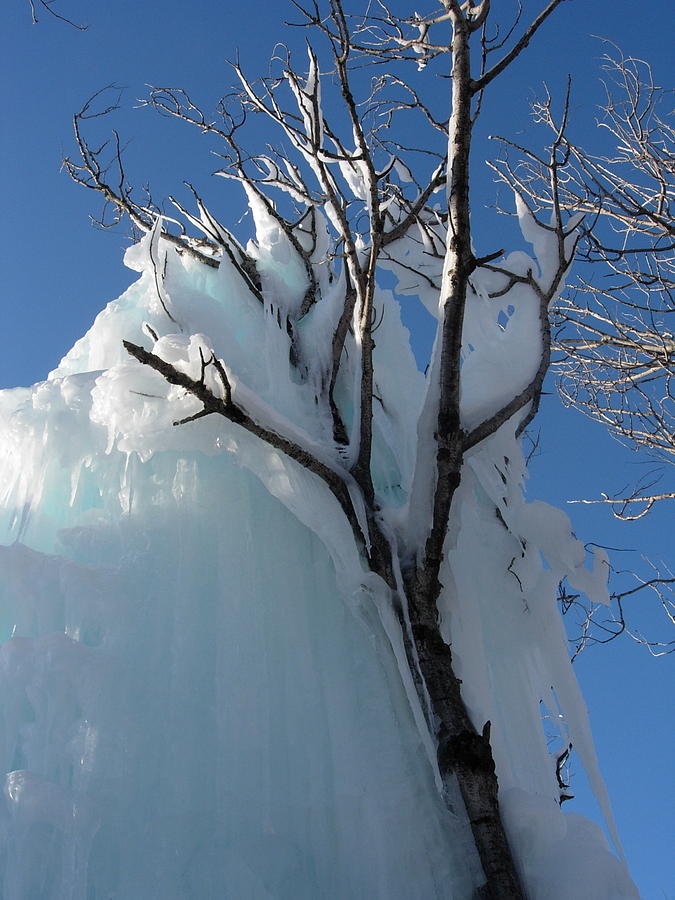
(194, 707)
(194, 704)
(201, 689)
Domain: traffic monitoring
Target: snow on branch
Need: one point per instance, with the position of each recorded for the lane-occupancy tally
(226, 406)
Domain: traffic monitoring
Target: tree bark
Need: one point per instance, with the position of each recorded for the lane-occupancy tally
(462, 751)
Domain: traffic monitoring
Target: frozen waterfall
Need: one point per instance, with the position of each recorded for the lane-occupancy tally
(202, 694)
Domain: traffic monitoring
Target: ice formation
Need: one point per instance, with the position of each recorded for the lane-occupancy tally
(203, 693)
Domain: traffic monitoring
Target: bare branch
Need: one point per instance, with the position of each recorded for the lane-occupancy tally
(597, 625)
(614, 332)
(48, 7)
(481, 83)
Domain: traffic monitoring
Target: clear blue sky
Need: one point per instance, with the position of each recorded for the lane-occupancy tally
(58, 272)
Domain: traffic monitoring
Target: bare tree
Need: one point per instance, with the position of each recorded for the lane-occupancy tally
(614, 330)
(353, 170)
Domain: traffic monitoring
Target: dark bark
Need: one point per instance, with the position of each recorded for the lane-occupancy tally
(466, 754)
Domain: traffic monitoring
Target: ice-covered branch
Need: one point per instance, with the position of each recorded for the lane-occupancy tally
(227, 407)
(622, 505)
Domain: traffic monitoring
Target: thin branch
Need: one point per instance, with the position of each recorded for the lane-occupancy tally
(481, 83)
(48, 7)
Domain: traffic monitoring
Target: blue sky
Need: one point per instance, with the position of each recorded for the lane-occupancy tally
(58, 272)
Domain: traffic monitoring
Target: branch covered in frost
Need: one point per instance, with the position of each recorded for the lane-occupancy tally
(531, 394)
(226, 406)
(623, 507)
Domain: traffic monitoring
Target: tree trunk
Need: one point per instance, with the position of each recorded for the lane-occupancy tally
(462, 751)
